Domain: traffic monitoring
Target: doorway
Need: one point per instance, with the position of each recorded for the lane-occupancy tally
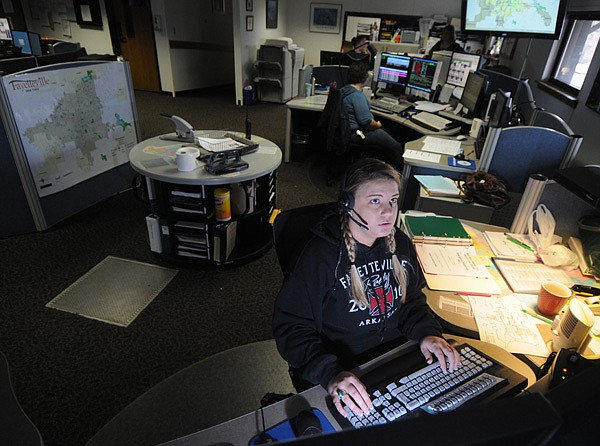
(132, 36)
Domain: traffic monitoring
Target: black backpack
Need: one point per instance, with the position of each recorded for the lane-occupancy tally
(335, 123)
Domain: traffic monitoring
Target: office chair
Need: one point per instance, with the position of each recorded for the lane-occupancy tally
(15, 425)
(512, 154)
(543, 118)
(292, 229)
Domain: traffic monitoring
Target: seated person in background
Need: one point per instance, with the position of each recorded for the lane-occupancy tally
(361, 118)
(359, 52)
(355, 292)
(447, 42)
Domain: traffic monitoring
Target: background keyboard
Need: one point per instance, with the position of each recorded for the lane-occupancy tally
(397, 392)
(431, 121)
(389, 107)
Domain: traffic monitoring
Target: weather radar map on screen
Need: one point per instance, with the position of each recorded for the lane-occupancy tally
(513, 16)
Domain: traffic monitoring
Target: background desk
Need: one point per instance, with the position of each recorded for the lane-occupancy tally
(409, 187)
(162, 179)
(240, 430)
(304, 113)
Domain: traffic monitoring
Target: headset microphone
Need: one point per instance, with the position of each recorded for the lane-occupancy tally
(364, 226)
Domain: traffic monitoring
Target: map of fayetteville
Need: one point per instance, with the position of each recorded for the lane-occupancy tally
(515, 15)
(74, 123)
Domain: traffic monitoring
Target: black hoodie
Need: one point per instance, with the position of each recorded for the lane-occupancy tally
(320, 331)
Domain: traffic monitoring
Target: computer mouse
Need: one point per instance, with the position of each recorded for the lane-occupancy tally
(306, 423)
(461, 137)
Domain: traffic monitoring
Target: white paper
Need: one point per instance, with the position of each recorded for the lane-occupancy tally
(86, 13)
(501, 321)
(441, 145)
(451, 260)
(219, 144)
(429, 106)
(455, 306)
(418, 155)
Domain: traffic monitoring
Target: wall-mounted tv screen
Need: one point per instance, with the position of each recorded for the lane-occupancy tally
(540, 19)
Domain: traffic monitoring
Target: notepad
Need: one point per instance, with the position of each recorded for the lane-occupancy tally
(438, 186)
(527, 278)
(510, 246)
(435, 229)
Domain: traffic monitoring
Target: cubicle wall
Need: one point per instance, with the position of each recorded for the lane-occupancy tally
(66, 134)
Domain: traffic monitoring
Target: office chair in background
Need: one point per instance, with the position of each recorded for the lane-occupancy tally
(543, 118)
(15, 426)
(292, 229)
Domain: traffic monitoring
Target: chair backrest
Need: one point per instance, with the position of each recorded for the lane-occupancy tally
(292, 229)
(514, 153)
(15, 425)
(543, 118)
(335, 123)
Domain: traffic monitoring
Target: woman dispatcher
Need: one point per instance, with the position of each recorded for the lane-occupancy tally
(355, 292)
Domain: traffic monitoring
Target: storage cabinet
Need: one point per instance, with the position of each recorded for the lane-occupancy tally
(180, 206)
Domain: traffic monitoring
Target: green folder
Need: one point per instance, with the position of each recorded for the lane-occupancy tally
(437, 229)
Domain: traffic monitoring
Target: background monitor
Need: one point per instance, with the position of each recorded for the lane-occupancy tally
(460, 65)
(514, 19)
(444, 57)
(330, 57)
(423, 74)
(29, 42)
(394, 69)
(5, 29)
(499, 109)
(473, 93)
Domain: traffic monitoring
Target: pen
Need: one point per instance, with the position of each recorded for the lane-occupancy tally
(537, 316)
(521, 244)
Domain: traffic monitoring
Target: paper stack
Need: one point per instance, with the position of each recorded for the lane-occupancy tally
(438, 186)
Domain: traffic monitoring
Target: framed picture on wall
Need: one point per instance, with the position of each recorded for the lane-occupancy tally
(249, 23)
(87, 12)
(272, 11)
(249, 5)
(218, 6)
(325, 18)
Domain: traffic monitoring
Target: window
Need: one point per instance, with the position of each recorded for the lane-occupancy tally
(576, 51)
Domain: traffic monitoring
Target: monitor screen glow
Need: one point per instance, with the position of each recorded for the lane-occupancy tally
(5, 29)
(393, 69)
(460, 66)
(507, 18)
(423, 74)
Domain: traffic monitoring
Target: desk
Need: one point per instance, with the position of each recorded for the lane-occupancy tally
(314, 105)
(180, 205)
(409, 186)
(239, 431)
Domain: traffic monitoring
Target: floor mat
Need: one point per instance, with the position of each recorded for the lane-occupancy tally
(115, 291)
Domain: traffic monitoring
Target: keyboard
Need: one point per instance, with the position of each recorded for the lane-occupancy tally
(431, 121)
(404, 387)
(455, 117)
(389, 107)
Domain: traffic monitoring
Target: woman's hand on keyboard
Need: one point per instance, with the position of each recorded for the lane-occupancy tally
(434, 345)
(347, 388)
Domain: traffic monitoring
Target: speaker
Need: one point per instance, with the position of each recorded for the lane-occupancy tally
(574, 327)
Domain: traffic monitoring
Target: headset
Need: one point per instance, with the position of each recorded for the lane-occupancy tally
(347, 205)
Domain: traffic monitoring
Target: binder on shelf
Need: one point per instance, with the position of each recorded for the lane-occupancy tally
(165, 236)
(154, 236)
(438, 186)
(224, 238)
(435, 229)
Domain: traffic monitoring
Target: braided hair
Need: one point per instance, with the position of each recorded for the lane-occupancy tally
(363, 171)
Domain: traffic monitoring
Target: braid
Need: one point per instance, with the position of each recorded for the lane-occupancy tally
(399, 270)
(357, 287)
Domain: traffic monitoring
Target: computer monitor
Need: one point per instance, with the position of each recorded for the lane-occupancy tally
(460, 66)
(393, 69)
(473, 93)
(29, 42)
(330, 58)
(423, 74)
(444, 58)
(499, 109)
(5, 34)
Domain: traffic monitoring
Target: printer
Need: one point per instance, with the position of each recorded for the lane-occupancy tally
(278, 64)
